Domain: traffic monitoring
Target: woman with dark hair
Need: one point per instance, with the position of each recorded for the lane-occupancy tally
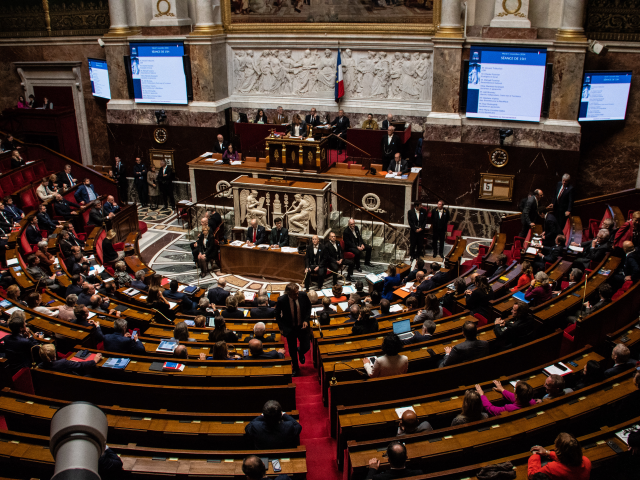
(432, 309)
(478, 299)
(471, 409)
(220, 351)
(220, 332)
(375, 298)
(155, 280)
(391, 281)
(297, 128)
(591, 373)
(261, 117)
(522, 398)
(232, 310)
(391, 363)
(46, 104)
(566, 462)
(229, 154)
(181, 333)
(156, 301)
(324, 319)
(336, 290)
(22, 102)
(365, 323)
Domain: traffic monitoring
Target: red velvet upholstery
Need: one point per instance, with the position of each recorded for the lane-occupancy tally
(40, 169)
(22, 381)
(118, 247)
(445, 312)
(28, 200)
(7, 184)
(99, 240)
(453, 234)
(142, 228)
(347, 255)
(29, 175)
(568, 332)
(621, 291)
(24, 244)
(482, 321)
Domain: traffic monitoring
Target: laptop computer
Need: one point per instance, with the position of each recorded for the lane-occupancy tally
(402, 328)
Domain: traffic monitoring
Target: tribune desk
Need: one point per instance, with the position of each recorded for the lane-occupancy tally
(297, 153)
(255, 262)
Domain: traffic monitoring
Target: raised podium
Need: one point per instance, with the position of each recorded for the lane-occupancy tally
(297, 154)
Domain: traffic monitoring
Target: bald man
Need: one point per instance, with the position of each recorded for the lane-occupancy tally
(409, 423)
(180, 352)
(257, 353)
(312, 261)
(110, 207)
(629, 269)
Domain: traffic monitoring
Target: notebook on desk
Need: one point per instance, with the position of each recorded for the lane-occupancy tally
(520, 296)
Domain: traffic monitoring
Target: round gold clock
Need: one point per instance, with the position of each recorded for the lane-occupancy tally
(498, 157)
(160, 135)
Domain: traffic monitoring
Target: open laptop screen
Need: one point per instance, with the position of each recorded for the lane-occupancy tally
(402, 326)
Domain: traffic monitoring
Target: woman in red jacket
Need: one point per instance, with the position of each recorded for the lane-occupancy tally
(565, 463)
(630, 230)
(526, 277)
(539, 291)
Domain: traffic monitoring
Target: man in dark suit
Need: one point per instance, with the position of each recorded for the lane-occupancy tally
(256, 234)
(6, 219)
(76, 286)
(218, 295)
(354, 243)
(140, 181)
(293, 311)
(530, 212)
(621, 360)
(312, 119)
(470, 349)
(428, 327)
(96, 215)
(254, 469)
(13, 212)
(563, 200)
(313, 263)
(629, 269)
(44, 220)
(390, 145)
(110, 207)
(220, 146)
(550, 254)
(138, 282)
(120, 176)
(340, 125)
(333, 258)
(440, 218)
(165, 184)
(62, 207)
(397, 456)
(385, 306)
(263, 310)
(274, 429)
(65, 178)
(182, 298)
(256, 352)
(18, 345)
(121, 341)
(593, 250)
(33, 231)
(398, 165)
(387, 122)
(279, 235)
(551, 230)
(417, 222)
(520, 325)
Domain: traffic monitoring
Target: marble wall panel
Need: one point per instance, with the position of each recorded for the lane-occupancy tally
(447, 65)
(567, 84)
(202, 68)
(178, 118)
(115, 54)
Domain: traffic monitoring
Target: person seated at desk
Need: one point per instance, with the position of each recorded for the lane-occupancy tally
(186, 305)
(432, 309)
(62, 207)
(44, 220)
(279, 236)
(138, 283)
(261, 118)
(297, 128)
(591, 373)
(9, 143)
(16, 160)
(76, 286)
(108, 288)
(550, 254)
(51, 362)
(280, 118)
(385, 306)
(525, 277)
(397, 455)
(606, 294)
(230, 155)
(365, 323)
(6, 220)
(539, 291)
(478, 298)
(43, 191)
(259, 330)
(313, 118)
(388, 122)
(220, 331)
(11, 210)
(519, 327)
(501, 262)
(39, 275)
(22, 103)
(256, 234)
(256, 352)
(220, 351)
(86, 297)
(96, 216)
(220, 146)
(370, 123)
(218, 295)
(66, 311)
(471, 409)
(594, 250)
(399, 165)
(156, 300)
(65, 178)
(120, 276)
(109, 253)
(46, 258)
(340, 125)
(391, 281)
(232, 310)
(391, 363)
(121, 341)
(263, 310)
(337, 297)
(205, 250)
(621, 359)
(53, 183)
(521, 399)
(181, 333)
(354, 243)
(110, 207)
(354, 313)
(409, 423)
(629, 269)
(73, 236)
(554, 386)
(18, 345)
(254, 468)
(274, 429)
(85, 192)
(181, 352)
(470, 349)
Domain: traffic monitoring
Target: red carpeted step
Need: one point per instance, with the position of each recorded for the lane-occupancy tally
(313, 417)
(319, 451)
(3, 423)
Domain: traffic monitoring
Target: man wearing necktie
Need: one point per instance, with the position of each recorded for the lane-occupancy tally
(65, 179)
(440, 217)
(165, 182)
(256, 233)
(220, 146)
(340, 125)
(354, 243)
(312, 119)
(281, 118)
(563, 201)
(293, 314)
(120, 177)
(398, 166)
(5, 219)
(333, 258)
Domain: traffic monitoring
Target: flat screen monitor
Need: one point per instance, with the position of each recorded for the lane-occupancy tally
(158, 73)
(99, 75)
(506, 83)
(604, 96)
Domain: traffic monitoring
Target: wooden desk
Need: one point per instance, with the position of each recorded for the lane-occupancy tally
(297, 154)
(256, 262)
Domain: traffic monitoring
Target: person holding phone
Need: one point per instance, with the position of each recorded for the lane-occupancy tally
(121, 341)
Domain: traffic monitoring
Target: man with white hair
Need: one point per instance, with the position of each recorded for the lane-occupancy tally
(593, 250)
(563, 200)
(390, 145)
(259, 331)
(263, 310)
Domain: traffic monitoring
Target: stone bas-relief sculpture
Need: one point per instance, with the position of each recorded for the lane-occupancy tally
(298, 217)
(367, 75)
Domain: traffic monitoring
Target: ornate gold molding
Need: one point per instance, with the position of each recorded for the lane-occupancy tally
(570, 36)
(206, 31)
(357, 28)
(47, 17)
(450, 32)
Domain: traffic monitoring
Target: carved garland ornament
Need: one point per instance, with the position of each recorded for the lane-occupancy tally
(224, 184)
(371, 202)
(511, 12)
(167, 12)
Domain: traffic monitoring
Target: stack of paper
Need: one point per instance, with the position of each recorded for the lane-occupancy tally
(395, 308)
(206, 154)
(401, 410)
(237, 243)
(119, 363)
(132, 292)
(390, 175)
(557, 369)
(236, 162)
(246, 245)
(343, 306)
(182, 287)
(407, 287)
(167, 346)
(327, 292)
(249, 296)
(348, 289)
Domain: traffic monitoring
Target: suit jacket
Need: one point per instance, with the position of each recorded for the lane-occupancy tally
(63, 208)
(417, 338)
(385, 124)
(596, 253)
(530, 210)
(616, 369)
(110, 208)
(551, 230)
(312, 260)
(315, 122)
(74, 289)
(351, 239)
(17, 162)
(404, 166)
(564, 203)
(438, 279)
(13, 212)
(440, 223)
(220, 149)
(118, 343)
(331, 254)
(341, 124)
(389, 149)
(631, 266)
(209, 249)
(67, 366)
(391, 474)
(465, 351)
(286, 434)
(140, 174)
(280, 119)
(263, 312)
(417, 221)
(182, 298)
(303, 129)
(44, 221)
(64, 179)
(218, 296)
(33, 235)
(552, 254)
(138, 285)
(96, 217)
(272, 355)
(6, 221)
(81, 194)
(120, 175)
(261, 235)
(165, 179)
(17, 349)
(214, 222)
(284, 315)
(280, 238)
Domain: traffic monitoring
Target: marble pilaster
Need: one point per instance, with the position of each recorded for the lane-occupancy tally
(115, 51)
(450, 19)
(568, 67)
(572, 27)
(447, 64)
(118, 18)
(202, 71)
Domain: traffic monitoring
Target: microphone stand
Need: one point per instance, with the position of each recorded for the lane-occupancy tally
(333, 380)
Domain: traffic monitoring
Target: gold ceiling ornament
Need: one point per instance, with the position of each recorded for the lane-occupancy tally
(167, 12)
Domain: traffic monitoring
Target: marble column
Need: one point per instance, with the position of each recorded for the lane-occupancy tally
(572, 26)
(450, 23)
(447, 67)
(206, 23)
(118, 17)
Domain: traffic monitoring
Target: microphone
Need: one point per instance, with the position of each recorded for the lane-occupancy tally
(333, 380)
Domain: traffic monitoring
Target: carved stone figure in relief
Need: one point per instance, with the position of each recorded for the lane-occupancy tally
(251, 207)
(250, 73)
(424, 74)
(303, 83)
(288, 66)
(407, 83)
(349, 72)
(326, 72)
(395, 74)
(302, 213)
(366, 66)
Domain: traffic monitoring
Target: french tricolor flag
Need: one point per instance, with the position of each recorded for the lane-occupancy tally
(339, 80)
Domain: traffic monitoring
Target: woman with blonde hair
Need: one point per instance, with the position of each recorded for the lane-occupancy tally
(471, 409)
(205, 251)
(109, 254)
(53, 183)
(539, 291)
(51, 362)
(13, 293)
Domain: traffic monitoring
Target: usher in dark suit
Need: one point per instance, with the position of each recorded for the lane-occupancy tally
(529, 215)
(165, 184)
(261, 235)
(439, 230)
(416, 221)
(562, 202)
(331, 255)
(340, 125)
(389, 149)
(290, 323)
(311, 261)
(352, 240)
(220, 148)
(551, 230)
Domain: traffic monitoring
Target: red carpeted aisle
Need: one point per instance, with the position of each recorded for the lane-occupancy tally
(314, 418)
